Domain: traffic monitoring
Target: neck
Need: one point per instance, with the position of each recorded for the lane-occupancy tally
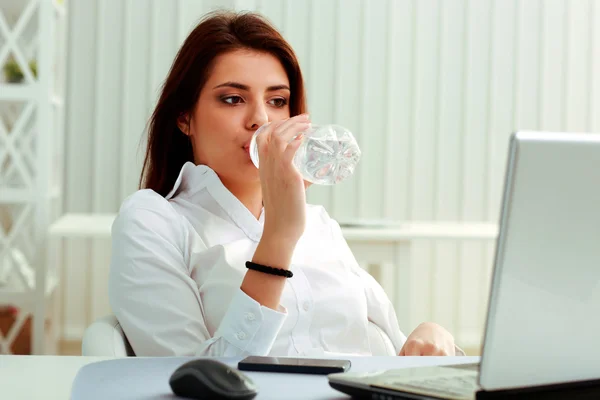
(250, 195)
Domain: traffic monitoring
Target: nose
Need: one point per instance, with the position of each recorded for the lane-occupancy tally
(257, 118)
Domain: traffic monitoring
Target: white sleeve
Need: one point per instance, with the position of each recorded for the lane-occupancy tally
(158, 304)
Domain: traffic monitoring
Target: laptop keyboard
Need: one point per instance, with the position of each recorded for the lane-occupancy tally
(455, 387)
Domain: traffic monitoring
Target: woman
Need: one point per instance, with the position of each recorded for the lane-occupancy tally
(178, 281)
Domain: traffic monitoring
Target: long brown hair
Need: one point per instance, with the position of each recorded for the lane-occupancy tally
(217, 33)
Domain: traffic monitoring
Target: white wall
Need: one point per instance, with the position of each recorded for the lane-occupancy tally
(432, 90)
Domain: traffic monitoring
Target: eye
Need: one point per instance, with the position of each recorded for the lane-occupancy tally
(278, 102)
(232, 100)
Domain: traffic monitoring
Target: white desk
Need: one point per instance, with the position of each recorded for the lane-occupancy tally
(51, 377)
(40, 377)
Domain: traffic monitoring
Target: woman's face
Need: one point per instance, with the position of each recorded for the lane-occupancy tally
(245, 90)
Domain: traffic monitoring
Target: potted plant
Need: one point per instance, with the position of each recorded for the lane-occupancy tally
(13, 73)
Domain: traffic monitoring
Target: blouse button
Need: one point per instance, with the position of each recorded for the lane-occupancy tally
(241, 335)
(250, 316)
(306, 306)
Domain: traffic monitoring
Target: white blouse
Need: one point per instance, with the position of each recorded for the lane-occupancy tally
(178, 263)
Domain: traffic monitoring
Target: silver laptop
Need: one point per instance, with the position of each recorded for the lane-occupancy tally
(543, 320)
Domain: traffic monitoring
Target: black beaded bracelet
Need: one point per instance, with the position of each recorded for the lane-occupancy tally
(269, 270)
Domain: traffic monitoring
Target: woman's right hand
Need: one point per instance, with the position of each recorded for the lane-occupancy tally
(283, 190)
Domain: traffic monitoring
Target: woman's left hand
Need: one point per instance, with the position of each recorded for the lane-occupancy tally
(429, 339)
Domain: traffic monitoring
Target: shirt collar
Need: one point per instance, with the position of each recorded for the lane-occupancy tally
(193, 178)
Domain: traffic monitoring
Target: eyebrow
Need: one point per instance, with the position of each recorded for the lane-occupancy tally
(241, 86)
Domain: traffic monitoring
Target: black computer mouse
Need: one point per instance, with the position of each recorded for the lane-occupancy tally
(211, 379)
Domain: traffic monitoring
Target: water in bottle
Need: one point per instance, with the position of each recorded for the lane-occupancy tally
(327, 155)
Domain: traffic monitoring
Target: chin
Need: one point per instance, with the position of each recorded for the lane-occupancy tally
(247, 172)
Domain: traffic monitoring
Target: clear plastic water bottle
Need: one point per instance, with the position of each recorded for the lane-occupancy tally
(328, 154)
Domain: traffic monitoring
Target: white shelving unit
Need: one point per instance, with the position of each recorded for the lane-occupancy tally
(31, 154)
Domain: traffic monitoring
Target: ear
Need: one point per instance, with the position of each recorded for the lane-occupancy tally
(183, 123)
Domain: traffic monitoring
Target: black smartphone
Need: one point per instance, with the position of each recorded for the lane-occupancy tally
(293, 365)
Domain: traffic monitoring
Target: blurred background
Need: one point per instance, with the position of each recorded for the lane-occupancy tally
(432, 90)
